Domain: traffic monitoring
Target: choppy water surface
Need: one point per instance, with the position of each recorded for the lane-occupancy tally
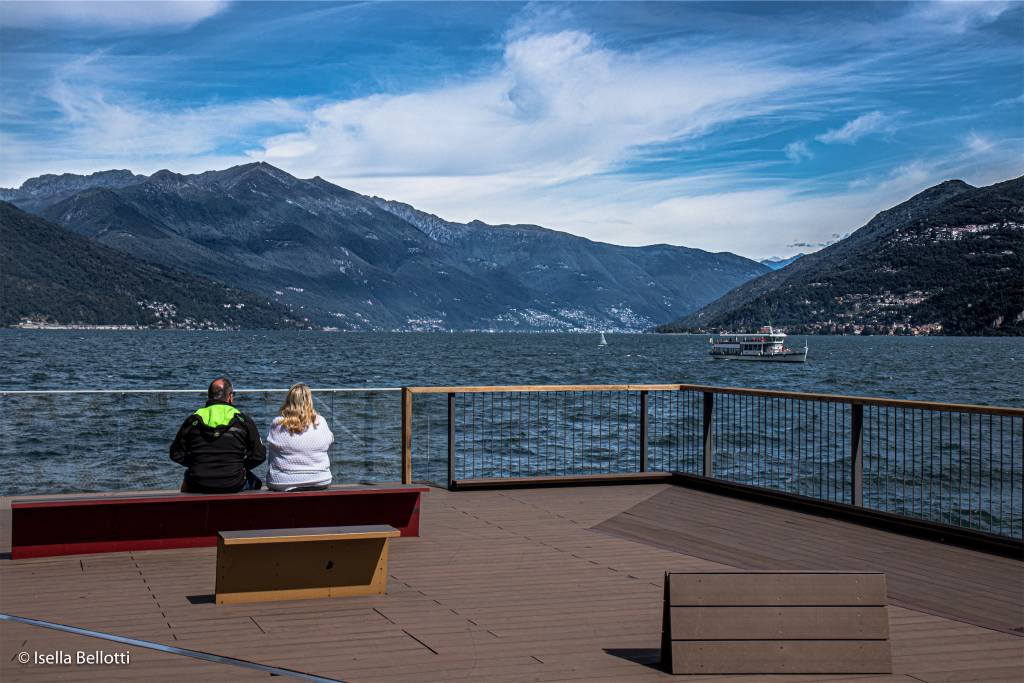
(75, 442)
(949, 369)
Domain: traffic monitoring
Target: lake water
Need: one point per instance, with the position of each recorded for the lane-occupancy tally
(948, 369)
(92, 442)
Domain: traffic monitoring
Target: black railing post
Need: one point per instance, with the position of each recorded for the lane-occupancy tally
(709, 434)
(857, 455)
(451, 439)
(643, 430)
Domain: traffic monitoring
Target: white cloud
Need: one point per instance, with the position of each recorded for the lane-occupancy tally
(97, 130)
(916, 173)
(109, 14)
(560, 107)
(1010, 101)
(957, 17)
(851, 131)
(977, 143)
(100, 126)
(798, 151)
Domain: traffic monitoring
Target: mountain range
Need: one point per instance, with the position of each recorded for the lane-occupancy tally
(949, 260)
(777, 262)
(351, 261)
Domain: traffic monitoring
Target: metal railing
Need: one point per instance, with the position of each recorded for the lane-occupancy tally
(103, 440)
(954, 465)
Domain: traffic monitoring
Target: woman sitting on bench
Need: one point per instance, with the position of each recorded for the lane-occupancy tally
(297, 445)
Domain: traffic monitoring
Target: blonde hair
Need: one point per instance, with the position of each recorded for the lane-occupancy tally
(297, 412)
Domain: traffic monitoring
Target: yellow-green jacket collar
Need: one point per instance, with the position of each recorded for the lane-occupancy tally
(217, 414)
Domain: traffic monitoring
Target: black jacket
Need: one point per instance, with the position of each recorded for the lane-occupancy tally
(217, 444)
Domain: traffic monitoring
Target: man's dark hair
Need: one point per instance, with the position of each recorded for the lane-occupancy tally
(219, 390)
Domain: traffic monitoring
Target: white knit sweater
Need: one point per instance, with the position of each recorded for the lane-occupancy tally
(298, 459)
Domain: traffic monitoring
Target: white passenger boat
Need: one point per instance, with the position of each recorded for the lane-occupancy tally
(766, 345)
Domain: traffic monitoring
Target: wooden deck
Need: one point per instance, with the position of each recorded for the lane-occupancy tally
(523, 585)
(974, 587)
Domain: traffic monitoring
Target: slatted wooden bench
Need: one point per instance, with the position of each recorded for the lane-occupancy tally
(103, 523)
(293, 564)
(775, 622)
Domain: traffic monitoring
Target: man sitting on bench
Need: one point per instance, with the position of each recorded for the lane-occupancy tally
(219, 445)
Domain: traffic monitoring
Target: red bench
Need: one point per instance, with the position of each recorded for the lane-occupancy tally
(72, 525)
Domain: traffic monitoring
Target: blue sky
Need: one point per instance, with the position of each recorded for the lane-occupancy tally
(761, 128)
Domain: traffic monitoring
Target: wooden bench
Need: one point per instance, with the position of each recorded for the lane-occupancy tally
(775, 622)
(294, 564)
(103, 523)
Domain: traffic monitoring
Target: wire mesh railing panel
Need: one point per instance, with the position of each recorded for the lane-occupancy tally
(430, 439)
(674, 431)
(367, 434)
(64, 442)
(957, 468)
(961, 469)
(546, 433)
(789, 445)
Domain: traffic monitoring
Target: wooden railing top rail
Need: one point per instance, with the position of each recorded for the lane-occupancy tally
(543, 387)
(769, 393)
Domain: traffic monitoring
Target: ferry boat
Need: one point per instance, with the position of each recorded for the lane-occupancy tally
(766, 345)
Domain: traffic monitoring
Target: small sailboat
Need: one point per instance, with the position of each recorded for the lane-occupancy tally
(603, 342)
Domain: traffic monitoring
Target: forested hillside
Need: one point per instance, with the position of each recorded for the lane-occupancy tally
(947, 261)
(51, 275)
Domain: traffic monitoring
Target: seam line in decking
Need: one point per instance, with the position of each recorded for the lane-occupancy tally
(419, 641)
(169, 649)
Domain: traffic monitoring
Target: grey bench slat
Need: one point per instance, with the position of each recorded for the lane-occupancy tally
(777, 588)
